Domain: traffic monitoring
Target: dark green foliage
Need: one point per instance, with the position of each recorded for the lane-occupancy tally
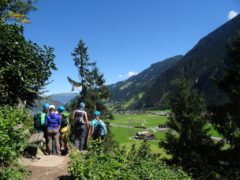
(14, 133)
(121, 164)
(227, 117)
(199, 65)
(229, 114)
(188, 141)
(16, 171)
(97, 93)
(24, 66)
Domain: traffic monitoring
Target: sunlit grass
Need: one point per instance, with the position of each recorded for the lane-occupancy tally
(146, 120)
(124, 136)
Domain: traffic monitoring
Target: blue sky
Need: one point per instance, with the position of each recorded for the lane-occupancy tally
(124, 37)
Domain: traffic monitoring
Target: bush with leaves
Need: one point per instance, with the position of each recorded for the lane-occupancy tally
(122, 164)
(24, 66)
(15, 172)
(14, 134)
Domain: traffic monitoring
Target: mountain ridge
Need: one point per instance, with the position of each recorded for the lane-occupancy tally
(201, 64)
(62, 97)
(132, 89)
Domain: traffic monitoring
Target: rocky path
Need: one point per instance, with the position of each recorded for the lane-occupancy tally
(47, 167)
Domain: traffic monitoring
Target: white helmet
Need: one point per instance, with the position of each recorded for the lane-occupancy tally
(52, 107)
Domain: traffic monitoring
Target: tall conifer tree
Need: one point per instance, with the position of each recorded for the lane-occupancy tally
(227, 116)
(188, 141)
(92, 84)
(81, 61)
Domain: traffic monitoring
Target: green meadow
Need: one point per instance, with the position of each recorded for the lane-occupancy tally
(147, 120)
(124, 136)
(123, 129)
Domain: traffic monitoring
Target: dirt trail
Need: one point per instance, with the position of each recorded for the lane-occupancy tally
(47, 167)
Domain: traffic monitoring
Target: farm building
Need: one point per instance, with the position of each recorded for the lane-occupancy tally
(145, 135)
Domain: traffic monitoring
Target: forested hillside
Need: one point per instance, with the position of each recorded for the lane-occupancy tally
(201, 65)
(128, 92)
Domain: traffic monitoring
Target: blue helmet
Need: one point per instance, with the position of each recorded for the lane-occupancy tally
(82, 105)
(61, 109)
(97, 113)
(45, 106)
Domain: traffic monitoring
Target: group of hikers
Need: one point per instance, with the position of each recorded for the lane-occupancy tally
(56, 123)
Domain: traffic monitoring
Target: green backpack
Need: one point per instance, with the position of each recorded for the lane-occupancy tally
(65, 119)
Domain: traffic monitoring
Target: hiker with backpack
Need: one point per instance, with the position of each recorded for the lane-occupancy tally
(64, 115)
(39, 119)
(39, 136)
(80, 127)
(99, 129)
(53, 124)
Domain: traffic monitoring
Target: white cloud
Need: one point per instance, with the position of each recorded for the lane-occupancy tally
(120, 76)
(131, 73)
(125, 76)
(232, 14)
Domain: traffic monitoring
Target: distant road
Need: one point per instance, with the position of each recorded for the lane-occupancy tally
(148, 128)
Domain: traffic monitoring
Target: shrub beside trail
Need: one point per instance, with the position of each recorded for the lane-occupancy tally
(122, 164)
(14, 133)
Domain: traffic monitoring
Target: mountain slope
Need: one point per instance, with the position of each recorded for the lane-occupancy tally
(54, 99)
(200, 65)
(131, 90)
(63, 97)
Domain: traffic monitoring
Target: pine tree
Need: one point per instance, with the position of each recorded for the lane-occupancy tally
(98, 92)
(81, 61)
(188, 141)
(227, 116)
(93, 90)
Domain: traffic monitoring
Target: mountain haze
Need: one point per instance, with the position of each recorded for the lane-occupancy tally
(200, 65)
(62, 97)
